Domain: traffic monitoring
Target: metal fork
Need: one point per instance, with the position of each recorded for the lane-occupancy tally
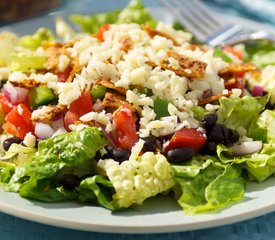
(202, 23)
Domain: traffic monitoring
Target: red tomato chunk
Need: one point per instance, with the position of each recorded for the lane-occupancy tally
(187, 137)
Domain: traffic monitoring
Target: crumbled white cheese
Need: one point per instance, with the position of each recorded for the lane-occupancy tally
(63, 62)
(136, 150)
(29, 140)
(44, 78)
(17, 77)
(67, 91)
(100, 117)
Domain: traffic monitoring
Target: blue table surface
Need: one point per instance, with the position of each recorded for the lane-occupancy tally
(260, 228)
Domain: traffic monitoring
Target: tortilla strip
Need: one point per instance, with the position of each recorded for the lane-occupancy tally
(188, 67)
(113, 100)
(235, 68)
(127, 44)
(153, 32)
(75, 69)
(109, 85)
(211, 99)
(26, 83)
(53, 51)
(48, 113)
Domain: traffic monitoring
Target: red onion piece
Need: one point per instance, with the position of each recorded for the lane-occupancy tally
(110, 137)
(258, 91)
(43, 130)
(14, 94)
(58, 122)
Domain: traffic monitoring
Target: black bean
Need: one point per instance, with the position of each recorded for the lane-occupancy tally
(149, 144)
(121, 155)
(208, 148)
(9, 141)
(233, 137)
(69, 181)
(180, 154)
(209, 119)
(218, 133)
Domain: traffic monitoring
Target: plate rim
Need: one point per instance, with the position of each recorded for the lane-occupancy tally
(142, 229)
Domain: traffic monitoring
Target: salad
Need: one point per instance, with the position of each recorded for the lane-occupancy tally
(130, 108)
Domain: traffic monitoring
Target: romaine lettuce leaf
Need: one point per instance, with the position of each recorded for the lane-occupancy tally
(34, 41)
(41, 185)
(135, 12)
(267, 123)
(97, 189)
(68, 153)
(263, 58)
(259, 165)
(241, 114)
(27, 62)
(73, 148)
(215, 186)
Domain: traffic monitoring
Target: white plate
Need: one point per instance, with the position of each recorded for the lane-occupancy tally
(157, 215)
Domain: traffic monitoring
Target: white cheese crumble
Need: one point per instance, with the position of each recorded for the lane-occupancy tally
(29, 140)
(63, 62)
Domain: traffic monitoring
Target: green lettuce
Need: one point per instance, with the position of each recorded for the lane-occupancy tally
(259, 165)
(35, 40)
(27, 62)
(71, 153)
(73, 148)
(97, 189)
(135, 12)
(266, 122)
(206, 184)
(241, 114)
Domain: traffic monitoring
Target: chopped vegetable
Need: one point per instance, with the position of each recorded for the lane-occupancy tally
(125, 127)
(161, 108)
(187, 137)
(40, 96)
(135, 181)
(98, 91)
(27, 62)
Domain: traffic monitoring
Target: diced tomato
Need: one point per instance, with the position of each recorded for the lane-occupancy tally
(18, 121)
(63, 76)
(101, 31)
(186, 137)
(234, 51)
(125, 127)
(7, 106)
(11, 129)
(78, 108)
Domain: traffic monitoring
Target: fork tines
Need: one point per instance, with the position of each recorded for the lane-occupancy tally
(199, 20)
